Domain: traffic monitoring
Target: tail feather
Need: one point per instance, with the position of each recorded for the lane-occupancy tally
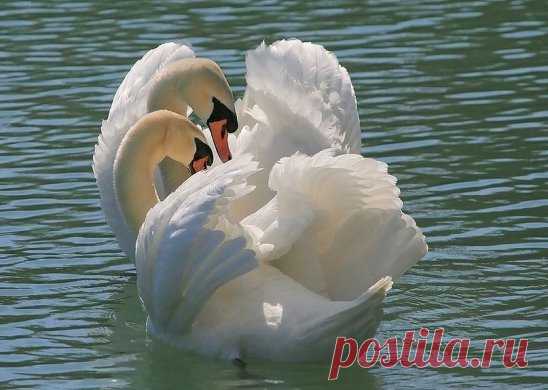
(358, 318)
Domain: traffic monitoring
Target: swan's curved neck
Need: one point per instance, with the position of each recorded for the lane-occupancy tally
(189, 82)
(155, 136)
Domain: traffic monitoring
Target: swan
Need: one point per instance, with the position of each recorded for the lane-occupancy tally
(294, 240)
(169, 77)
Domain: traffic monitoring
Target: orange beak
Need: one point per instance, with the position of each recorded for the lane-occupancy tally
(198, 165)
(219, 134)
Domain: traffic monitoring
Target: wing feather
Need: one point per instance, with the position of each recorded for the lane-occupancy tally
(189, 246)
(335, 224)
(298, 99)
(306, 93)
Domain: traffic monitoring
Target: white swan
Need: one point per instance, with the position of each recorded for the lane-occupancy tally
(270, 255)
(168, 77)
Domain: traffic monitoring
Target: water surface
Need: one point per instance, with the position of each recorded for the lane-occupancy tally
(454, 97)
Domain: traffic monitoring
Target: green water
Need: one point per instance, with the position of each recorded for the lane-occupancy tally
(454, 97)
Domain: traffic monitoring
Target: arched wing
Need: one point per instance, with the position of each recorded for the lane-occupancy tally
(298, 99)
(305, 96)
(189, 245)
(335, 224)
(128, 106)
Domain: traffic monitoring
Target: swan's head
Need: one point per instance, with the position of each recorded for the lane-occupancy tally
(185, 143)
(201, 84)
(213, 102)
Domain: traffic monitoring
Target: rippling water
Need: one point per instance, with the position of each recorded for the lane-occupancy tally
(454, 97)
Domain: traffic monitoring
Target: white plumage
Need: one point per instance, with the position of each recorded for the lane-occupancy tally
(128, 106)
(293, 242)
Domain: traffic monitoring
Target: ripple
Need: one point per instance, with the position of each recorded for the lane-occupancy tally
(451, 95)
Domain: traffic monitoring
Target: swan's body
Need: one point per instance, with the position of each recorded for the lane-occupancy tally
(293, 242)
